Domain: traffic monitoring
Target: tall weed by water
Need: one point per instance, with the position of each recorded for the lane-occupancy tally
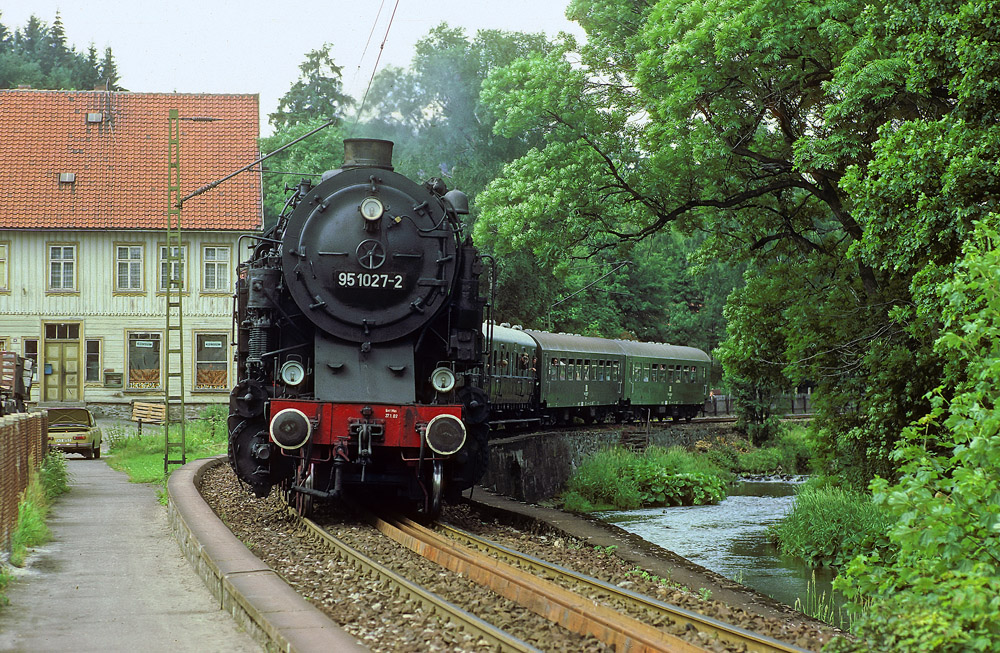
(830, 525)
(622, 479)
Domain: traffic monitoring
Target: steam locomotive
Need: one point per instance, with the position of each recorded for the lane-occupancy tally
(359, 344)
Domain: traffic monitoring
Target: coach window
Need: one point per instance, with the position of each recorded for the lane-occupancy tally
(562, 369)
(586, 370)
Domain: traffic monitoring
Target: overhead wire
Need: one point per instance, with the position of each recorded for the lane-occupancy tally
(381, 49)
(371, 32)
(328, 123)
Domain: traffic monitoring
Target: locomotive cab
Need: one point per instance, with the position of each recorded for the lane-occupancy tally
(358, 342)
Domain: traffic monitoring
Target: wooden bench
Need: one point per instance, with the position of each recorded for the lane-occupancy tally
(148, 413)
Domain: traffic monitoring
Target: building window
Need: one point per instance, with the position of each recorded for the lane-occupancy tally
(172, 269)
(4, 267)
(211, 366)
(31, 349)
(128, 263)
(216, 266)
(93, 353)
(62, 267)
(62, 331)
(143, 361)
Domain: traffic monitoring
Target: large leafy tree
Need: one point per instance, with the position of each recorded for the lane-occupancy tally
(740, 121)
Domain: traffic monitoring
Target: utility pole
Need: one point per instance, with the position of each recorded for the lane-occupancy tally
(173, 381)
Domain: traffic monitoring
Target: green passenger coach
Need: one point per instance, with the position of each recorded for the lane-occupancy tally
(540, 377)
(580, 376)
(665, 380)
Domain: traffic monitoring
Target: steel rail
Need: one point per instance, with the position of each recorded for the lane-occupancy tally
(566, 608)
(753, 642)
(469, 622)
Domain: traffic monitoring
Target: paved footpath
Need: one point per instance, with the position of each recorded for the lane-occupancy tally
(113, 578)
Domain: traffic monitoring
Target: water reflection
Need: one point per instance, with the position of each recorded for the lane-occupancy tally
(731, 538)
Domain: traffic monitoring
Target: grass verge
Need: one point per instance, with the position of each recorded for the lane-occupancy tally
(45, 484)
(141, 456)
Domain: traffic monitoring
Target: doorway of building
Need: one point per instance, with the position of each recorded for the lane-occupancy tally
(61, 367)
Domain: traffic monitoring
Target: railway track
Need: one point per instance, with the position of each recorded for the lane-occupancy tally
(738, 638)
(551, 591)
(497, 638)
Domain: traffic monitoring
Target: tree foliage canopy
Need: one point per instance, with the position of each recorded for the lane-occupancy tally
(38, 56)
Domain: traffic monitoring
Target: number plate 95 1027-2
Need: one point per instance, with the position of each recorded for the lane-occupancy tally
(389, 280)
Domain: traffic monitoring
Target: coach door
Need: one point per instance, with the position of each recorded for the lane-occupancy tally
(61, 367)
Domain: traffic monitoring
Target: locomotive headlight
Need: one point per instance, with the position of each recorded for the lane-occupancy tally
(443, 379)
(290, 428)
(445, 434)
(293, 373)
(372, 209)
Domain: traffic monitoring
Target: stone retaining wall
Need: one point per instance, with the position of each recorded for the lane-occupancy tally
(536, 466)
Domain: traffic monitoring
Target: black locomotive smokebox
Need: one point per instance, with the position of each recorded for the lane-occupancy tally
(367, 153)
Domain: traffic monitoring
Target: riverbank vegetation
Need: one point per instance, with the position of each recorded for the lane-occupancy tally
(46, 484)
(830, 525)
(621, 479)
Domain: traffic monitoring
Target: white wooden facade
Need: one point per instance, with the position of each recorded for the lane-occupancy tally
(89, 307)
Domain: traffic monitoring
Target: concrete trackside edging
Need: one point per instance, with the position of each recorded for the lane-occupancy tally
(273, 613)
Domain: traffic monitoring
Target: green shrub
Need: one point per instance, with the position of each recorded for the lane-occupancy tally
(54, 475)
(830, 525)
(30, 530)
(617, 478)
(940, 591)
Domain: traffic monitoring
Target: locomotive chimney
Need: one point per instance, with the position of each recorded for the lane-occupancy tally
(367, 153)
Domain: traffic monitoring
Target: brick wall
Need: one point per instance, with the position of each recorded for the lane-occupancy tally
(23, 444)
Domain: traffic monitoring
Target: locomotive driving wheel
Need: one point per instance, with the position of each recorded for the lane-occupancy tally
(437, 491)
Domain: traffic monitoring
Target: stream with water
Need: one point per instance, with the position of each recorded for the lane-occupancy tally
(730, 538)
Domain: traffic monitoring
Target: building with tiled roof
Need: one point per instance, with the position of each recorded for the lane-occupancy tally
(83, 257)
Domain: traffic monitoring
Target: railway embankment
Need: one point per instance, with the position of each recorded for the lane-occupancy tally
(535, 466)
(275, 615)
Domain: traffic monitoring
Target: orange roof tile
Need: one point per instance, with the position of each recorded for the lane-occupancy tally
(120, 163)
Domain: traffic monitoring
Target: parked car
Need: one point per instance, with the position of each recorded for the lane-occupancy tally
(74, 430)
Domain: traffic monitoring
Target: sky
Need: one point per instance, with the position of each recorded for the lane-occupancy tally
(253, 46)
